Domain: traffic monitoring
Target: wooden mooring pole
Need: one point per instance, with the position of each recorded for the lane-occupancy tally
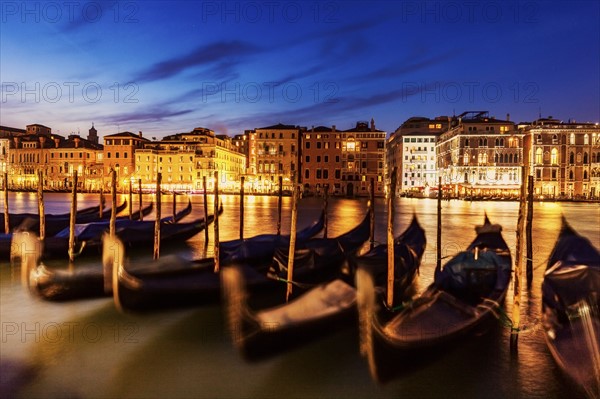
(6, 215)
(174, 206)
(528, 231)
(216, 222)
(292, 251)
(325, 209)
(140, 199)
(516, 313)
(73, 218)
(242, 208)
(439, 226)
(130, 200)
(101, 199)
(157, 221)
(41, 209)
(205, 210)
(279, 204)
(372, 212)
(112, 226)
(390, 240)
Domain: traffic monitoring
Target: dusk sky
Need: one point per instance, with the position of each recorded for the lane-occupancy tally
(167, 67)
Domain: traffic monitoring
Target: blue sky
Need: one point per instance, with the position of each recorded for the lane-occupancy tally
(167, 67)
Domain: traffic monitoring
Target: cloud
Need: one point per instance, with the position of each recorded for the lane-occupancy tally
(222, 56)
(154, 114)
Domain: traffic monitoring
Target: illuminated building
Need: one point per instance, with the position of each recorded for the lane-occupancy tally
(274, 152)
(118, 155)
(411, 149)
(480, 155)
(563, 158)
(184, 159)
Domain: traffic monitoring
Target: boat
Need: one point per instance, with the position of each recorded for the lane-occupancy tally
(79, 282)
(571, 309)
(174, 282)
(88, 236)
(57, 244)
(464, 295)
(261, 248)
(319, 311)
(56, 223)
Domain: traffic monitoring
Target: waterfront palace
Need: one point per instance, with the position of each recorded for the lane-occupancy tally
(475, 154)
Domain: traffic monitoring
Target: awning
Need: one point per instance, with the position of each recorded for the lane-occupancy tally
(491, 186)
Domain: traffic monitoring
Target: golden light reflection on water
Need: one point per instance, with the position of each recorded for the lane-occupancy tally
(169, 344)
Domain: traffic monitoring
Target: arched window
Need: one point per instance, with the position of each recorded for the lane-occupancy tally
(538, 156)
(554, 156)
(586, 139)
(502, 142)
(496, 158)
(585, 157)
(570, 175)
(572, 138)
(571, 157)
(497, 142)
(485, 157)
(466, 159)
(585, 175)
(510, 158)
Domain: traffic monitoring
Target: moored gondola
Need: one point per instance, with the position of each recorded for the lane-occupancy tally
(571, 309)
(320, 310)
(464, 294)
(178, 283)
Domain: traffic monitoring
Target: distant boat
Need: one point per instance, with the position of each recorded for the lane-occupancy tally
(571, 308)
(464, 294)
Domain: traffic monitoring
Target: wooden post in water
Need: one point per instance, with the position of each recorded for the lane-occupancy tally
(279, 203)
(113, 198)
(439, 226)
(325, 206)
(41, 210)
(174, 206)
(205, 211)
(140, 198)
(157, 221)
(390, 240)
(101, 199)
(372, 210)
(73, 218)
(528, 231)
(242, 208)
(516, 313)
(130, 200)
(290, 271)
(6, 215)
(216, 222)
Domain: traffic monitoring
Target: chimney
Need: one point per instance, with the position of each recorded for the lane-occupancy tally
(312, 129)
(508, 117)
(372, 124)
(56, 142)
(140, 133)
(76, 140)
(17, 141)
(333, 128)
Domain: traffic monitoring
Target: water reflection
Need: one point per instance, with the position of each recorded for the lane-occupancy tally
(188, 354)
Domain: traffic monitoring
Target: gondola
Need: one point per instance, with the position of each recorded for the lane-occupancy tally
(88, 236)
(178, 283)
(571, 308)
(15, 219)
(463, 296)
(57, 243)
(88, 281)
(262, 247)
(322, 309)
(56, 223)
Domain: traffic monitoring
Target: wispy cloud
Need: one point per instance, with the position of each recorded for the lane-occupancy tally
(222, 56)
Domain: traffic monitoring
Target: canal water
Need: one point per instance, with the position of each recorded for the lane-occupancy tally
(87, 349)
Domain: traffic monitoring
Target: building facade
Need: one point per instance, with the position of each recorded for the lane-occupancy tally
(274, 152)
(185, 159)
(480, 156)
(119, 150)
(563, 158)
(411, 150)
